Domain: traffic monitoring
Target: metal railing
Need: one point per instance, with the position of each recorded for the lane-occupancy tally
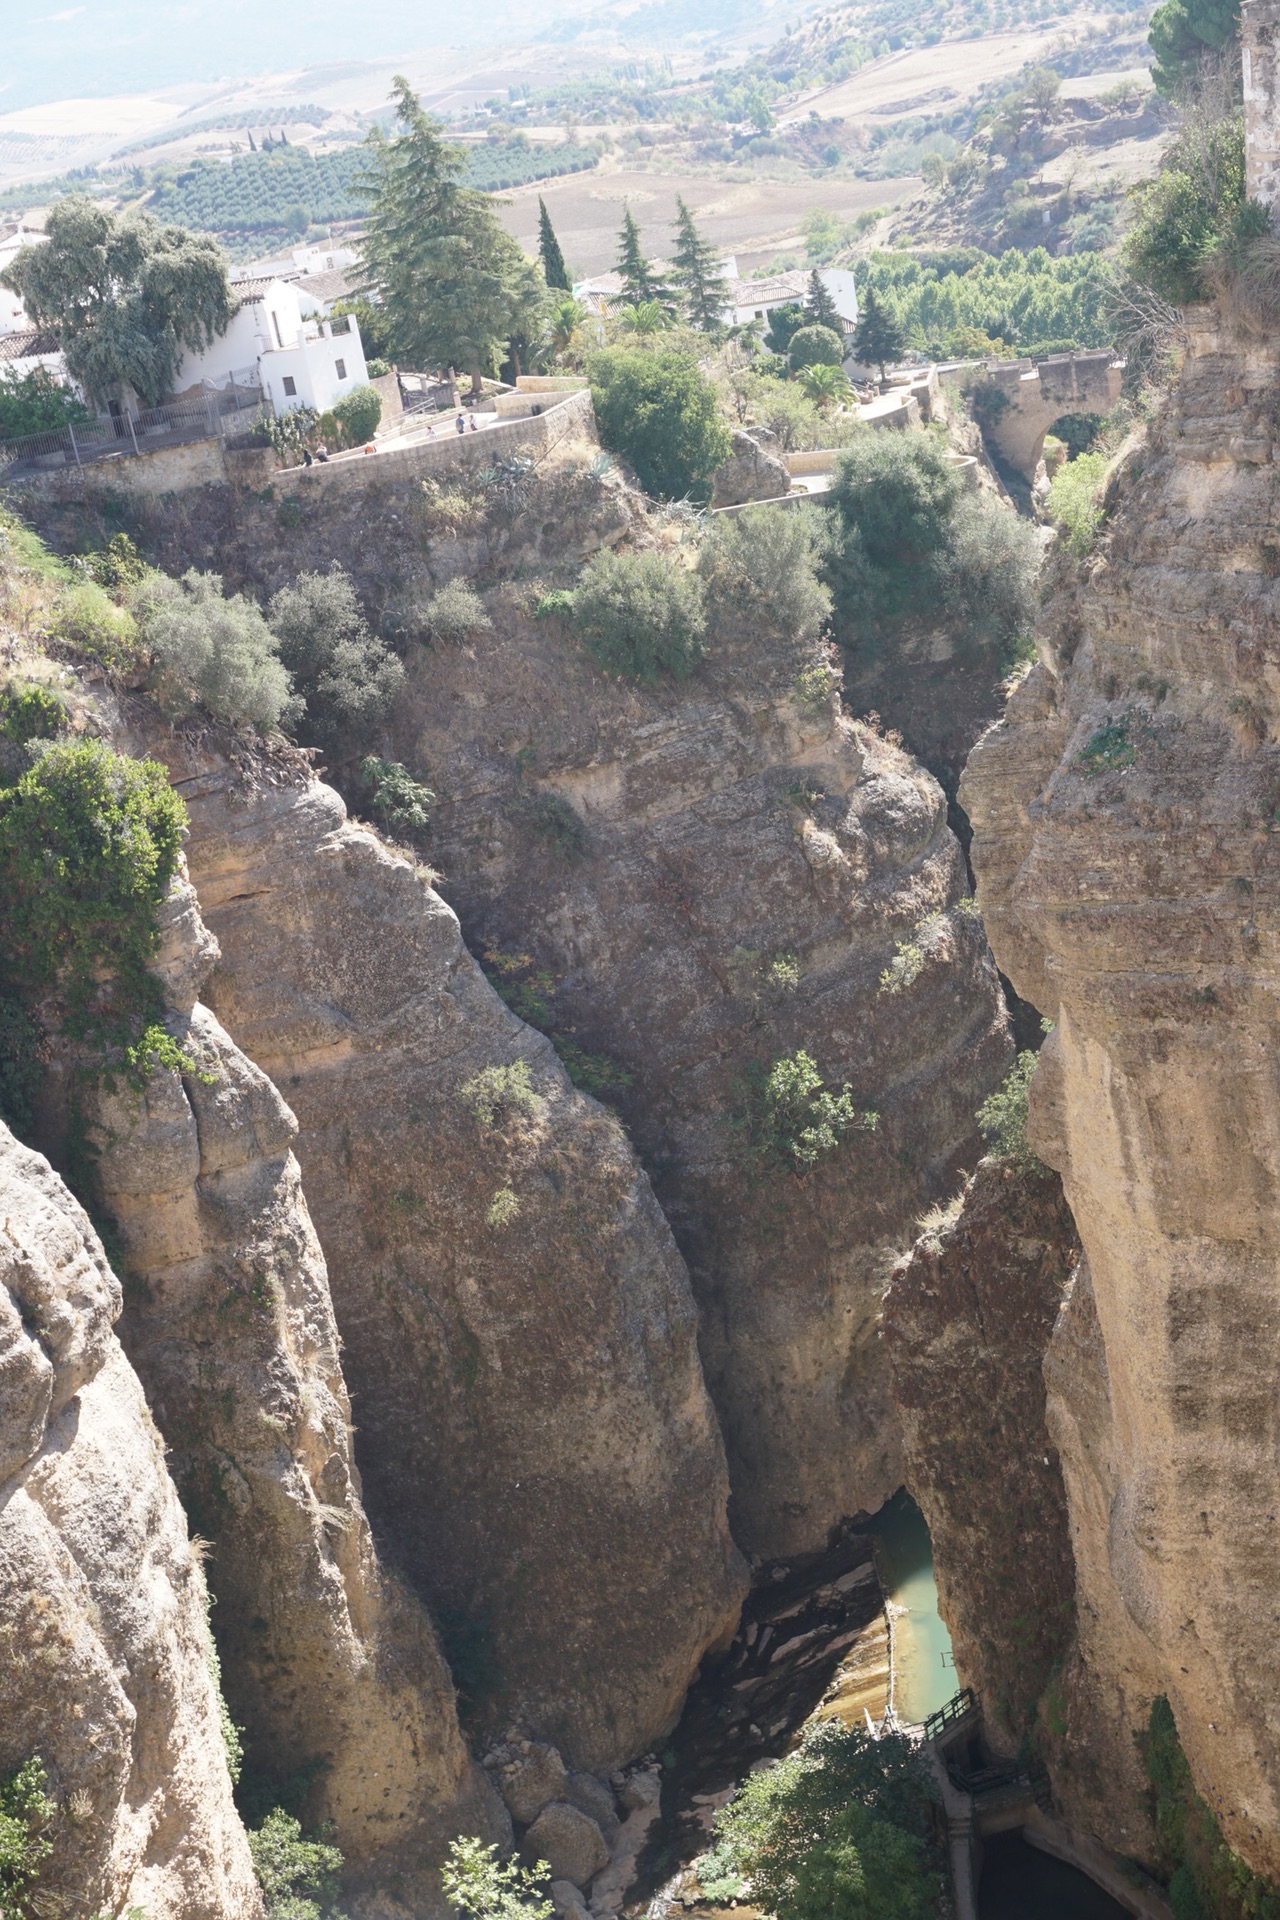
(233, 412)
(957, 1708)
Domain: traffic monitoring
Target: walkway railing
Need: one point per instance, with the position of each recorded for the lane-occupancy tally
(228, 414)
(957, 1708)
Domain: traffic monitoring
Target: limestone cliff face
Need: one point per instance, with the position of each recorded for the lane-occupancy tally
(967, 1321)
(104, 1671)
(327, 1664)
(712, 874)
(536, 1443)
(1129, 870)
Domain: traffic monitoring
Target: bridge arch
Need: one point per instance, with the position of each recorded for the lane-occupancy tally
(1024, 398)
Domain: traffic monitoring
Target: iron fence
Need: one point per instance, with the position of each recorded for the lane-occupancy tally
(231, 413)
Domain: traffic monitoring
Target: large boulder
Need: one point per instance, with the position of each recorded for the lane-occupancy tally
(755, 470)
(569, 1841)
(529, 1775)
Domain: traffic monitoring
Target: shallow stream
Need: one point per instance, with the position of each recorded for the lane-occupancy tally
(924, 1675)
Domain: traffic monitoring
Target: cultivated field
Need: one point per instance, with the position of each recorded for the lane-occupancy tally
(752, 218)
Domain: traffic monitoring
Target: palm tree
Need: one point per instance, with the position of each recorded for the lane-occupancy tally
(564, 327)
(825, 384)
(647, 316)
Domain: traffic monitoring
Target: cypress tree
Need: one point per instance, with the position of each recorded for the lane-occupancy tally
(880, 336)
(819, 308)
(638, 281)
(697, 273)
(554, 271)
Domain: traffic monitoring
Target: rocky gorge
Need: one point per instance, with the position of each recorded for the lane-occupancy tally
(458, 1349)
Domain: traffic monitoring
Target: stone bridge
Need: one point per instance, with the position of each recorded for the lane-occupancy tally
(1033, 396)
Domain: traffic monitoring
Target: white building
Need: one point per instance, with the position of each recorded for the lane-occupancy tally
(756, 299)
(748, 300)
(23, 349)
(279, 341)
(13, 318)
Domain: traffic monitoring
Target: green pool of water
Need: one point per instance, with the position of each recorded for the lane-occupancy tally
(924, 1676)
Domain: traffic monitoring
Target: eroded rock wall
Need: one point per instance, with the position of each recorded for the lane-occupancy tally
(1129, 870)
(537, 1446)
(711, 874)
(104, 1648)
(332, 1670)
(966, 1325)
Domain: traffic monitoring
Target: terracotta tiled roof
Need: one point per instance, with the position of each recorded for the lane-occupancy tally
(772, 292)
(25, 341)
(251, 290)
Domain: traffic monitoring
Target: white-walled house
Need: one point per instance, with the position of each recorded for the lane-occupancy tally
(756, 299)
(279, 341)
(13, 239)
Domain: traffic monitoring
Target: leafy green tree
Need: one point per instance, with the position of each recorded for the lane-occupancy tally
(660, 412)
(815, 346)
(640, 615)
(761, 571)
(37, 403)
(348, 677)
(837, 1831)
(480, 1886)
(358, 414)
(647, 316)
(639, 282)
(784, 321)
(1002, 1117)
(554, 271)
(125, 294)
(453, 282)
(879, 336)
(1182, 32)
(820, 309)
(790, 1120)
(697, 274)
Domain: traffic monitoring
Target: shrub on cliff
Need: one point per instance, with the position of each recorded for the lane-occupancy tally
(482, 1887)
(661, 414)
(299, 1878)
(1075, 501)
(212, 651)
(25, 1812)
(639, 615)
(85, 617)
(761, 570)
(1193, 219)
(789, 1120)
(348, 677)
(1002, 1117)
(836, 1831)
(1207, 1881)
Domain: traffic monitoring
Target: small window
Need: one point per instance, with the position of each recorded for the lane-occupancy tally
(340, 368)
(290, 385)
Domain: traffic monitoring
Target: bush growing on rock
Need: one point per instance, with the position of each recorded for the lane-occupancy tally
(86, 617)
(213, 651)
(399, 802)
(25, 1812)
(495, 1093)
(839, 1830)
(1002, 1117)
(639, 615)
(299, 1878)
(789, 1120)
(479, 1885)
(455, 613)
(761, 569)
(1075, 501)
(660, 413)
(348, 677)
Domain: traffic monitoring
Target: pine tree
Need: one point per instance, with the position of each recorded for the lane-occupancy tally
(455, 286)
(638, 279)
(820, 309)
(554, 271)
(697, 274)
(880, 336)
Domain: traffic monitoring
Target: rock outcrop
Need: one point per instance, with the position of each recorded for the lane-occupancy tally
(104, 1646)
(966, 1324)
(1129, 870)
(332, 1670)
(755, 470)
(537, 1447)
(694, 879)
